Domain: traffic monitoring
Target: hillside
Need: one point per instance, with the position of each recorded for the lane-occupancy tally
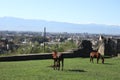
(18, 24)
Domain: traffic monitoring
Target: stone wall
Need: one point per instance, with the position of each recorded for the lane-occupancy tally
(36, 56)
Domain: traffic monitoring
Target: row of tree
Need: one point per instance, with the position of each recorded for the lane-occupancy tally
(37, 48)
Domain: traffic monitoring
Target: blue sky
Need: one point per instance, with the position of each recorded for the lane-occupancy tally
(73, 11)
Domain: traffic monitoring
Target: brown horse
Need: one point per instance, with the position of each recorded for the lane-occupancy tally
(97, 55)
(57, 59)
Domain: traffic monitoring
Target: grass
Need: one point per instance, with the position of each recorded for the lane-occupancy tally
(74, 69)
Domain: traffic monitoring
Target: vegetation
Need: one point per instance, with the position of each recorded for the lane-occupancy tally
(74, 69)
(37, 48)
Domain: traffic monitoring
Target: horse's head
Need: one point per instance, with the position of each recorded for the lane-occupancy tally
(54, 54)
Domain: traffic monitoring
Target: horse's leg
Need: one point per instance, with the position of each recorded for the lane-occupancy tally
(62, 63)
(103, 60)
(55, 67)
(59, 65)
(54, 64)
(90, 58)
(97, 60)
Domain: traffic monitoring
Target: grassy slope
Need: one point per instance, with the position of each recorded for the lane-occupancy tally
(75, 69)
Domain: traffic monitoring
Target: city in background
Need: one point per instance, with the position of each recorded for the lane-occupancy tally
(21, 42)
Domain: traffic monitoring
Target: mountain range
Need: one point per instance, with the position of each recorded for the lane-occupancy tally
(19, 24)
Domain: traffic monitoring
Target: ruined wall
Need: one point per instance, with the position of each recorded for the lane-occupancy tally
(118, 47)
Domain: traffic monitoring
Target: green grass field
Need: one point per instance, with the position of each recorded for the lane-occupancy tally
(74, 69)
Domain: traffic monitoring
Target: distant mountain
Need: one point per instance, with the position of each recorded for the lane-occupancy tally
(18, 24)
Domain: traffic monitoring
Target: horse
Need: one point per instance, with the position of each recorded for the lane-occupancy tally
(57, 57)
(97, 55)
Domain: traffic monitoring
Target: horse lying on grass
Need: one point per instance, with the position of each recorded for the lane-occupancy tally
(57, 59)
(97, 55)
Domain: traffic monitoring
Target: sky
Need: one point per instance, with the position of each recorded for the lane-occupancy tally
(72, 11)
